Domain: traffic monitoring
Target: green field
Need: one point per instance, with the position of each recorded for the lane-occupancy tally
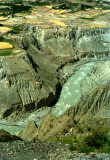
(7, 51)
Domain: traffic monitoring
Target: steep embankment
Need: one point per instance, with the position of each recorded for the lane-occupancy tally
(93, 43)
(95, 105)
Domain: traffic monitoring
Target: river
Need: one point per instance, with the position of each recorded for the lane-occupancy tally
(71, 91)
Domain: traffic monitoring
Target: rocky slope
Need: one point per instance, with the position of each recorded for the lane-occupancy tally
(77, 42)
(20, 86)
(58, 82)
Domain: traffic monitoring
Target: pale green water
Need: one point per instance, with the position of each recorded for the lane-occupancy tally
(71, 91)
(11, 129)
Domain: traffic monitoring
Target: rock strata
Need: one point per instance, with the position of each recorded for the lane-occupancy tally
(51, 126)
(20, 87)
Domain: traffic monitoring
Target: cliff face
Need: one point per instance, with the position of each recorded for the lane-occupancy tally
(74, 41)
(20, 87)
(36, 77)
(94, 43)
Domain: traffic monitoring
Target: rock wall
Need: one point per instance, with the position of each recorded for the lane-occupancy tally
(20, 87)
(94, 43)
(71, 41)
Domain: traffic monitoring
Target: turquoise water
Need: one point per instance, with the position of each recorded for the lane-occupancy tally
(71, 91)
(11, 129)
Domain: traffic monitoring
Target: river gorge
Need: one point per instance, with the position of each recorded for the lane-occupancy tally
(55, 62)
(54, 80)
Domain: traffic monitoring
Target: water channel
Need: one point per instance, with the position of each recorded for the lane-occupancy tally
(71, 91)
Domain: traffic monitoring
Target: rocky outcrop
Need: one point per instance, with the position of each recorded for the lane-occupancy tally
(93, 107)
(49, 128)
(5, 136)
(54, 47)
(77, 42)
(49, 52)
(29, 133)
(93, 43)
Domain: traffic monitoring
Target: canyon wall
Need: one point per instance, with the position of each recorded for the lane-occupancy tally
(72, 41)
(20, 88)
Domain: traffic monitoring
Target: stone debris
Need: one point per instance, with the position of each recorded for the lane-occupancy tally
(40, 150)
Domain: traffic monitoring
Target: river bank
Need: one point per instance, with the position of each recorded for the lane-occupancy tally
(12, 129)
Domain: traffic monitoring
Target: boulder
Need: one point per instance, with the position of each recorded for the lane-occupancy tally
(29, 132)
(50, 127)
